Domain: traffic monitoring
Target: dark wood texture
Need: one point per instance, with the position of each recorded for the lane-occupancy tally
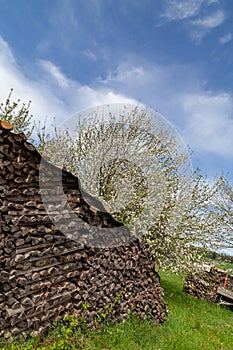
(56, 263)
(206, 283)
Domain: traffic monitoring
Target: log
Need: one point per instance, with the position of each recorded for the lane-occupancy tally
(5, 125)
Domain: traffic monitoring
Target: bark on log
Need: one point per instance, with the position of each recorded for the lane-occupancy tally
(6, 126)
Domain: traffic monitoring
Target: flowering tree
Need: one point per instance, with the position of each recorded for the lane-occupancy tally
(137, 168)
(224, 202)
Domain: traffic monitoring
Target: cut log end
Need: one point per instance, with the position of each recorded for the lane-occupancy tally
(5, 125)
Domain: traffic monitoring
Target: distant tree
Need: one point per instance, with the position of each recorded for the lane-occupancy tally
(214, 256)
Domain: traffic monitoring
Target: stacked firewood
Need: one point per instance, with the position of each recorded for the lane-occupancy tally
(204, 283)
(60, 250)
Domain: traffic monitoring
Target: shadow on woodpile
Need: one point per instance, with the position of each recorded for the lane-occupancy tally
(52, 261)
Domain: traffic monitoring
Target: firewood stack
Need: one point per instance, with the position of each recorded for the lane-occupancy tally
(60, 250)
(203, 284)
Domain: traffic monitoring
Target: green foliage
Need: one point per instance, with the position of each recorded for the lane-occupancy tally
(108, 316)
(192, 324)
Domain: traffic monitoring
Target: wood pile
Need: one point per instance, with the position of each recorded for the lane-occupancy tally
(204, 284)
(60, 249)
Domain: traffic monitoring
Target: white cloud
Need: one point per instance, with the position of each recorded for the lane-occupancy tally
(203, 26)
(43, 101)
(204, 119)
(55, 73)
(209, 122)
(151, 83)
(191, 10)
(90, 55)
(6, 58)
(182, 9)
(126, 72)
(226, 38)
(86, 97)
(51, 92)
(212, 21)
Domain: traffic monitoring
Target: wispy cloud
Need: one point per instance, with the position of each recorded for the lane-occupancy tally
(209, 122)
(125, 73)
(212, 21)
(203, 26)
(11, 75)
(88, 54)
(51, 92)
(6, 55)
(205, 119)
(182, 9)
(55, 73)
(226, 38)
(63, 25)
(194, 12)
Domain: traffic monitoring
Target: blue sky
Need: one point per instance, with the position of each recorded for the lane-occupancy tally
(174, 56)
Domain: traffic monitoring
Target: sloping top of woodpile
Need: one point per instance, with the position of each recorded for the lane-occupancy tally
(57, 262)
(204, 284)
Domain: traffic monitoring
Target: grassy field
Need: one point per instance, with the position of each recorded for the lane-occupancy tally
(228, 266)
(191, 325)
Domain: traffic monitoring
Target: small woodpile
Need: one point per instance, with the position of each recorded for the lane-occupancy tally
(204, 284)
(60, 249)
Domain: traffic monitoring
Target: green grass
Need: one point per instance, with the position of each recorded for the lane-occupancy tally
(191, 325)
(228, 266)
